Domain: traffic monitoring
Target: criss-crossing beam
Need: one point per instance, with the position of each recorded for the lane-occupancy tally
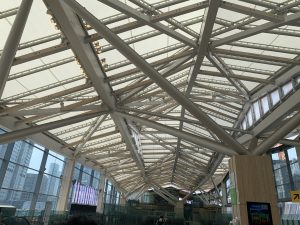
(209, 17)
(142, 18)
(12, 42)
(75, 33)
(256, 30)
(156, 77)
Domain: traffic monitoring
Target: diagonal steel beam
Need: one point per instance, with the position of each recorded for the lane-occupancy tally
(211, 170)
(214, 146)
(19, 134)
(205, 34)
(74, 31)
(89, 133)
(256, 30)
(287, 127)
(153, 74)
(286, 107)
(12, 42)
(223, 68)
(251, 12)
(147, 20)
(7, 13)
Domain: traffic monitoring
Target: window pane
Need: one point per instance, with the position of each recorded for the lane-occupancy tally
(87, 170)
(41, 202)
(54, 166)
(15, 198)
(287, 88)
(256, 110)
(3, 148)
(295, 171)
(36, 159)
(282, 176)
(283, 191)
(51, 185)
(278, 160)
(85, 179)
(97, 174)
(292, 154)
(275, 97)
(249, 116)
(95, 183)
(76, 174)
(15, 176)
(30, 181)
(77, 165)
(22, 154)
(57, 155)
(244, 124)
(265, 104)
(297, 185)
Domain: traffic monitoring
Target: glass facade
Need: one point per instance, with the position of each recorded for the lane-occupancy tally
(112, 196)
(286, 171)
(31, 175)
(261, 106)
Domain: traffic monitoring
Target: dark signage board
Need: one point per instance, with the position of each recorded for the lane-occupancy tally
(259, 213)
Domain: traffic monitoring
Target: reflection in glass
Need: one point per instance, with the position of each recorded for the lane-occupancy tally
(265, 104)
(275, 97)
(287, 88)
(256, 110)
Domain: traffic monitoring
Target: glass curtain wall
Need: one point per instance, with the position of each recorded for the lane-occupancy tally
(111, 196)
(286, 171)
(287, 178)
(30, 176)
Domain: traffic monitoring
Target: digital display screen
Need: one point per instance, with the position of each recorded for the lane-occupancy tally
(84, 195)
(259, 213)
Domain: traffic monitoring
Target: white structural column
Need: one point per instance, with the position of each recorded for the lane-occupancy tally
(5, 161)
(12, 42)
(100, 205)
(122, 199)
(39, 180)
(298, 151)
(156, 77)
(65, 185)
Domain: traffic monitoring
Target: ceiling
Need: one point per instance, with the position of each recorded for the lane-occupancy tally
(153, 93)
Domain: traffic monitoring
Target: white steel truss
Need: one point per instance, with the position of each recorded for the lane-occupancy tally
(155, 94)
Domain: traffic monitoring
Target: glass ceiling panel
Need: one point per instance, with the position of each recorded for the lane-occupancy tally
(51, 80)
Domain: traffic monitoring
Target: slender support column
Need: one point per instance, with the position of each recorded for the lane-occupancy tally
(297, 151)
(12, 42)
(92, 178)
(101, 196)
(122, 199)
(224, 197)
(39, 181)
(5, 162)
(179, 209)
(80, 173)
(65, 185)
